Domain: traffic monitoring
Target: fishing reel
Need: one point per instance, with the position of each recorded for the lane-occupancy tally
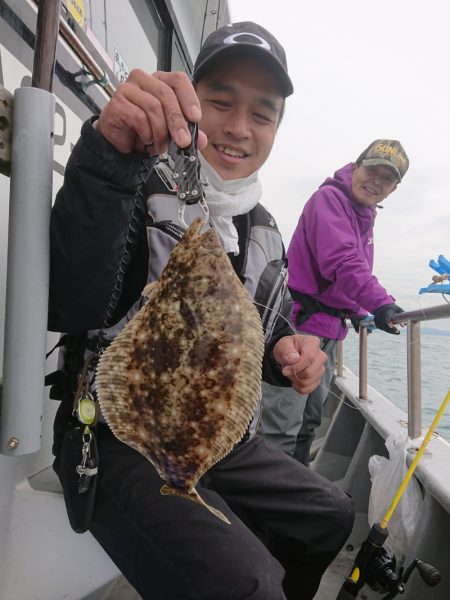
(376, 566)
(381, 573)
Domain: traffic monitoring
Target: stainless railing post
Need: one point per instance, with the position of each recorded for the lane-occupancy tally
(340, 359)
(413, 320)
(414, 380)
(363, 363)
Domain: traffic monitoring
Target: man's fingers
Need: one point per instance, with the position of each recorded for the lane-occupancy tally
(309, 378)
(146, 117)
(306, 373)
(150, 121)
(180, 104)
(305, 369)
(119, 123)
(185, 93)
(131, 115)
(149, 109)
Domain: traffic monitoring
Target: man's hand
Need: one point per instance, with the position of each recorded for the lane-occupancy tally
(301, 360)
(150, 109)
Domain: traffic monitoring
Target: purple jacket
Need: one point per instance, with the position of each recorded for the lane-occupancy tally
(330, 256)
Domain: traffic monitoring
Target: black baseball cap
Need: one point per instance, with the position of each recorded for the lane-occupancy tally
(244, 39)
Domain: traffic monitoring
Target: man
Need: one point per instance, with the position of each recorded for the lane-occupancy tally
(287, 523)
(330, 278)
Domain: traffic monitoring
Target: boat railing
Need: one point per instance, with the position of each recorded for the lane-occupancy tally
(90, 64)
(412, 320)
(93, 68)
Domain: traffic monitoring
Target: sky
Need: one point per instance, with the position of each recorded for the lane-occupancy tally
(363, 71)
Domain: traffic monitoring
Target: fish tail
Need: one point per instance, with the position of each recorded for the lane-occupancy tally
(195, 497)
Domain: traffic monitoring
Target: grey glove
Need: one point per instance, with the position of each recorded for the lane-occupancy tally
(384, 314)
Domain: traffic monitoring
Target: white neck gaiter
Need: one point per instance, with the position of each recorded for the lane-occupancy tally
(226, 199)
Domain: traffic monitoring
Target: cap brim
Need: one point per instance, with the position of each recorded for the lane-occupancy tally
(373, 162)
(252, 51)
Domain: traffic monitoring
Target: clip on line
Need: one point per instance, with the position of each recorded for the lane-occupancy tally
(186, 175)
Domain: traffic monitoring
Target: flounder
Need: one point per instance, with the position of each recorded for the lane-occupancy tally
(180, 383)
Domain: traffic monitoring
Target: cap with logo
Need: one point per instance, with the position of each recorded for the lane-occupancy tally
(386, 152)
(244, 39)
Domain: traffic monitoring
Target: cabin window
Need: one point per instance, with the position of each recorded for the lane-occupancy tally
(193, 21)
(191, 16)
(128, 34)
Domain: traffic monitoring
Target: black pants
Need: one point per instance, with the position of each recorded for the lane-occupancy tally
(287, 524)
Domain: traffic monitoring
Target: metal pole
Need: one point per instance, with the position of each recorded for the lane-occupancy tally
(45, 48)
(414, 381)
(340, 359)
(28, 247)
(363, 363)
(424, 314)
(27, 271)
(86, 58)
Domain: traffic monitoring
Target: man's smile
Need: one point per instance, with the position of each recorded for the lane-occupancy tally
(231, 151)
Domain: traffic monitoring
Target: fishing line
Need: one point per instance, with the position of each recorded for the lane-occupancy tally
(292, 328)
(387, 517)
(339, 398)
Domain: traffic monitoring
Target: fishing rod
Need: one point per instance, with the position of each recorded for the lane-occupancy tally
(374, 564)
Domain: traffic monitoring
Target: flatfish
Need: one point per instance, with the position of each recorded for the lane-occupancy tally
(181, 382)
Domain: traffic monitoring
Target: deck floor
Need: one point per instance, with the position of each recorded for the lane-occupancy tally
(332, 581)
(335, 575)
(119, 589)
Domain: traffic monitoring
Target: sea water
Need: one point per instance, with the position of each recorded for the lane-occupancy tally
(387, 370)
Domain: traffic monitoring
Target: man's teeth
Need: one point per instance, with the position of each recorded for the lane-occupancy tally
(230, 151)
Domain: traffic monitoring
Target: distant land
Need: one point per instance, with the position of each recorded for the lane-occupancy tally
(435, 331)
(424, 330)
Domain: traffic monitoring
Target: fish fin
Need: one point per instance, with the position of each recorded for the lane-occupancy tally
(195, 497)
(149, 290)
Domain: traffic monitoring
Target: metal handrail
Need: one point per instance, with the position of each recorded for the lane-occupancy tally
(424, 314)
(85, 57)
(340, 360)
(412, 319)
(430, 313)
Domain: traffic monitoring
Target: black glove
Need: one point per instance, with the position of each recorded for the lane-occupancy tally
(356, 320)
(384, 314)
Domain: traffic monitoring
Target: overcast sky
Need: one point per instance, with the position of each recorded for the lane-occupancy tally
(362, 71)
